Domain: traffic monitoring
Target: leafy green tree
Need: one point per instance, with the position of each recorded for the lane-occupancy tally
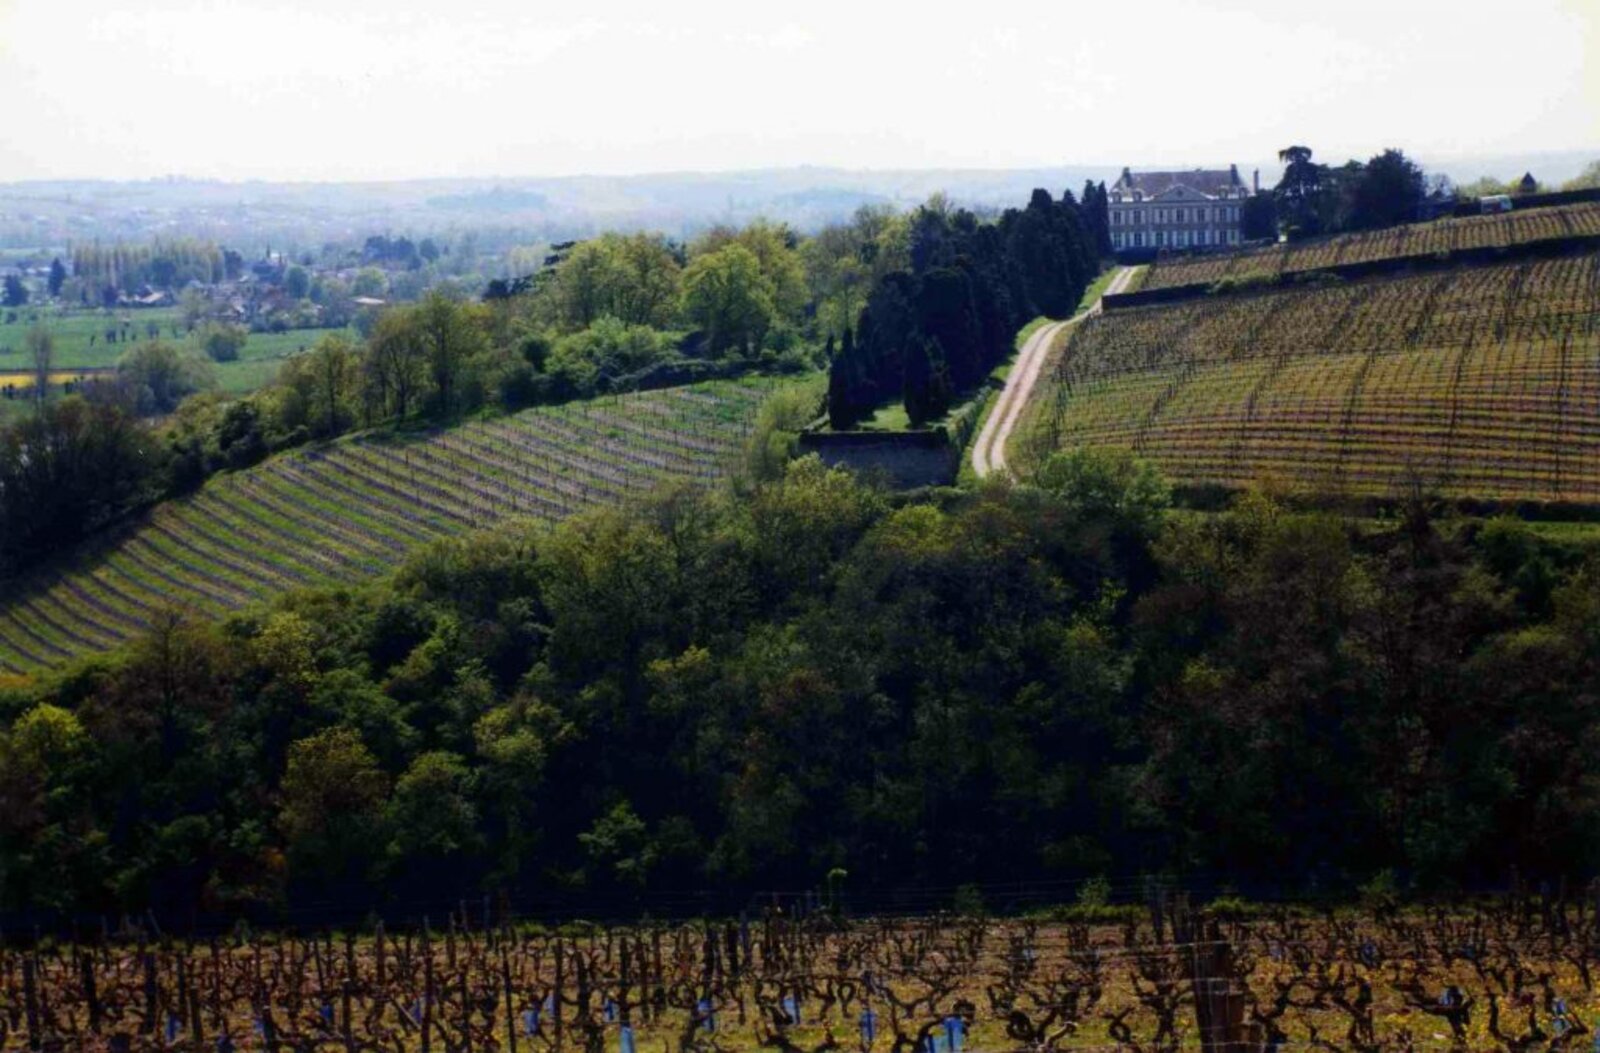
(334, 365)
(452, 337)
(728, 297)
(618, 849)
(224, 342)
(587, 361)
(241, 436)
(58, 277)
(1258, 217)
(632, 277)
(430, 815)
(332, 794)
(1109, 485)
(1300, 192)
(161, 375)
(1388, 192)
(838, 275)
(774, 247)
(370, 282)
(396, 364)
(297, 283)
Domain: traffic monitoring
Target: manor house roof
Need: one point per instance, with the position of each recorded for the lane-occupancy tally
(1211, 182)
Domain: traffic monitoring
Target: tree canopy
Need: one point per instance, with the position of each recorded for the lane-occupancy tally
(1015, 681)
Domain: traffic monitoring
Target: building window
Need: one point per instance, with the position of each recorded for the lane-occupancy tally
(1116, 239)
(1200, 215)
(1116, 216)
(1161, 237)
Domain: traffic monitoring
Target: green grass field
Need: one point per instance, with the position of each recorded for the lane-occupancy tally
(351, 509)
(80, 336)
(80, 344)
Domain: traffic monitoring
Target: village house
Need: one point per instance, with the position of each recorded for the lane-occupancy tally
(1177, 210)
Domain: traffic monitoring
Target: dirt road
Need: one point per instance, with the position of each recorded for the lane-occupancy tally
(989, 451)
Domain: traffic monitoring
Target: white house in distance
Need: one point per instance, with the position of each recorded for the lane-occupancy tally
(1177, 210)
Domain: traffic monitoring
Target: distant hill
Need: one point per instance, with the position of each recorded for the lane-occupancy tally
(255, 215)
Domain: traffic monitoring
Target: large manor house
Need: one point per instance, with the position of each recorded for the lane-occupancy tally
(1177, 210)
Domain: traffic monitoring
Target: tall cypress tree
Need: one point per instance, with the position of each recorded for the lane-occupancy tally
(927, 382)
(846, 381)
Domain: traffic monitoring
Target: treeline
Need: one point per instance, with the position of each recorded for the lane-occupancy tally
(760, 289)
(937, 327)
(165, 265)
(616, 313)
(1061, 679)
(1314, 199)
(158, 428)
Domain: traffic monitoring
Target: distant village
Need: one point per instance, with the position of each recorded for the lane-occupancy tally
(275, 291)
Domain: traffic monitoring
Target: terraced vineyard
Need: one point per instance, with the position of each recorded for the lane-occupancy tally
(1477, 382)
(1418, 239)
(353, 508)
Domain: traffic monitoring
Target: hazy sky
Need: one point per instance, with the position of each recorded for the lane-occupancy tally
(353, 89)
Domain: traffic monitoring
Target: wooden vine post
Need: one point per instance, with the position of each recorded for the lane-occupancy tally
(1219, 998)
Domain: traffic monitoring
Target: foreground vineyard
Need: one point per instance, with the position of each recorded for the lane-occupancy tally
(1419, 239)
(1512, 977)
(353, 508)
(1481, 382)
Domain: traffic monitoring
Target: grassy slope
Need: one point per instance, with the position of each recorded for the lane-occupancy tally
(352, 508)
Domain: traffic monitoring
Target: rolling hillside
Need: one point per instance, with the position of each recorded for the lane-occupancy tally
(1418, 239)
(351, 509)
(1478, 382)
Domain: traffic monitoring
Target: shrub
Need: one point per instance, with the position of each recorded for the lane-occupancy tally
(223, 342)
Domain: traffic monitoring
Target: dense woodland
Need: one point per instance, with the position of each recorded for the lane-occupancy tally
(750, 689)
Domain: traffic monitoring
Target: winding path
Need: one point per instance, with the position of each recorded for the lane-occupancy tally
(989, 452)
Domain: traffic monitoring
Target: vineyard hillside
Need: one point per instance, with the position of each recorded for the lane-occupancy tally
(352, 509)
(1436, 238)
(1475, 382)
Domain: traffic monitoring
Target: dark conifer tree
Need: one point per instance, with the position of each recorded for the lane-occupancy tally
(927, 381)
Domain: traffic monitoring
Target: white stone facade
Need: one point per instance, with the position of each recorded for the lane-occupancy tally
(1177, 210)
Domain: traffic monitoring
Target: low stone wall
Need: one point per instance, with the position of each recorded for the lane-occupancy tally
(904, 459)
